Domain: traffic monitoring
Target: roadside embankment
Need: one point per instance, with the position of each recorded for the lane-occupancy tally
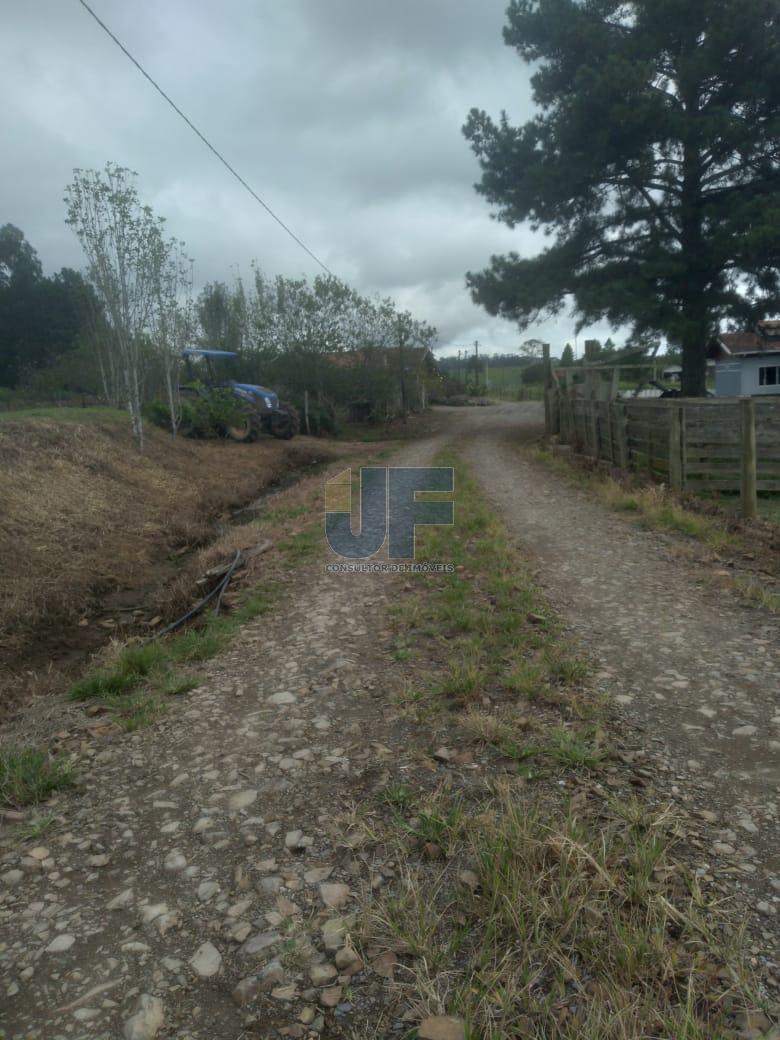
(91, 529)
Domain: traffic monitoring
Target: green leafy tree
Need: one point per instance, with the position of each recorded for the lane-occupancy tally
(567, 357)
(40, 317)
(19, 263)
(220, 315)
(653, 162)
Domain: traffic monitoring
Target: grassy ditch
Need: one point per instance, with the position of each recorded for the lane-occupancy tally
(545, 899)
(136, 681)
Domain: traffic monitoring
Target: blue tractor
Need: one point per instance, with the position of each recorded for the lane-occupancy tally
(261, 410)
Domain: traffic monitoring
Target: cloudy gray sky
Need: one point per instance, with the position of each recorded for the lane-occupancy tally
(344, 115)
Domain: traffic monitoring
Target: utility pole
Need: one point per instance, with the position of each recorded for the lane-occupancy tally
(401, 365)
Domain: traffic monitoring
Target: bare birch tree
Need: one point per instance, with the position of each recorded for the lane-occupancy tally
(172, 319)
(123, 243)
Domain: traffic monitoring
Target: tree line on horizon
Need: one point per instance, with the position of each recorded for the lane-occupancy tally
(117, 330)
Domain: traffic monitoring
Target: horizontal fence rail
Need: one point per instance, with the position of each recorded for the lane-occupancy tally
(693, 444)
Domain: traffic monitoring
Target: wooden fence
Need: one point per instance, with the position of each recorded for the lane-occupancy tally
(693, 444)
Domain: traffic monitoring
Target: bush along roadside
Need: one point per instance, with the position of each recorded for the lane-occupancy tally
(547, 894)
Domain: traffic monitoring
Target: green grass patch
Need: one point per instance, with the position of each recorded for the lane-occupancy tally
(139, 680)
(29, 775)
(751, 590)
(654, 506)
(303, 546)
(488, 623)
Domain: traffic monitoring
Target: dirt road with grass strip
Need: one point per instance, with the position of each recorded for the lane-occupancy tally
(695, 671)
(321, 840)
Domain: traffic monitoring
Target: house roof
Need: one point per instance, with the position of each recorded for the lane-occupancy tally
(740, 342)
(764, 338)
(376, 356)
(770, 352)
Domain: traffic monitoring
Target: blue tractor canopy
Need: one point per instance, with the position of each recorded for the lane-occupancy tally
(196, 352)
(218, 363)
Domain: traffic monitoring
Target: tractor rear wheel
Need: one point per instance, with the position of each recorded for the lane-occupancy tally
(284, 423)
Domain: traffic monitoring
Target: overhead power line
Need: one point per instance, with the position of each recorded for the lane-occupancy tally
(205, 140)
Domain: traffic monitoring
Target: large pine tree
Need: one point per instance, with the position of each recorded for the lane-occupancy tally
(653, 163)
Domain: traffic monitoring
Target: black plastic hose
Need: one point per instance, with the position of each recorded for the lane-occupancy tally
(218, 590)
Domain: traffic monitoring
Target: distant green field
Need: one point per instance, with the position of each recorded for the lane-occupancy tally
(505, 377)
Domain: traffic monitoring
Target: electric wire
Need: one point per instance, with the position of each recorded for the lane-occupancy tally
(205, 140)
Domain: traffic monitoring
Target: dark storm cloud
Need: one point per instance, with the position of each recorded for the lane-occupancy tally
(345, 115)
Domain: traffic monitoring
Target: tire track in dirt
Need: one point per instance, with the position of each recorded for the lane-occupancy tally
(197, 885)
(695, 670)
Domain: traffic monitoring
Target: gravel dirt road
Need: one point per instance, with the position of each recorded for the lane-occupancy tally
(695, 670)
(198, 884)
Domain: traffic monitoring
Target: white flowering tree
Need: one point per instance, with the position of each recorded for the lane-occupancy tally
(172, 319)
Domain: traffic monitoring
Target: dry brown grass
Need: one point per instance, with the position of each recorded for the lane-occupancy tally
(548, 921)
(84, 514)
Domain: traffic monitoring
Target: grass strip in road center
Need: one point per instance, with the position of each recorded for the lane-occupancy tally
(536, 895)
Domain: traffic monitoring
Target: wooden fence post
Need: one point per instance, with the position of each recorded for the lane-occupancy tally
(675, 448)
(749, 487)
(593, 427)
(621, 433)
(610, 440)
(555, 409)
(548, 423)
(650, 452)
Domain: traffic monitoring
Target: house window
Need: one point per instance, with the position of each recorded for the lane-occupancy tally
(768, 376)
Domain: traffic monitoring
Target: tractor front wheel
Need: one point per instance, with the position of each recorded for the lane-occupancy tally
(241, 430)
